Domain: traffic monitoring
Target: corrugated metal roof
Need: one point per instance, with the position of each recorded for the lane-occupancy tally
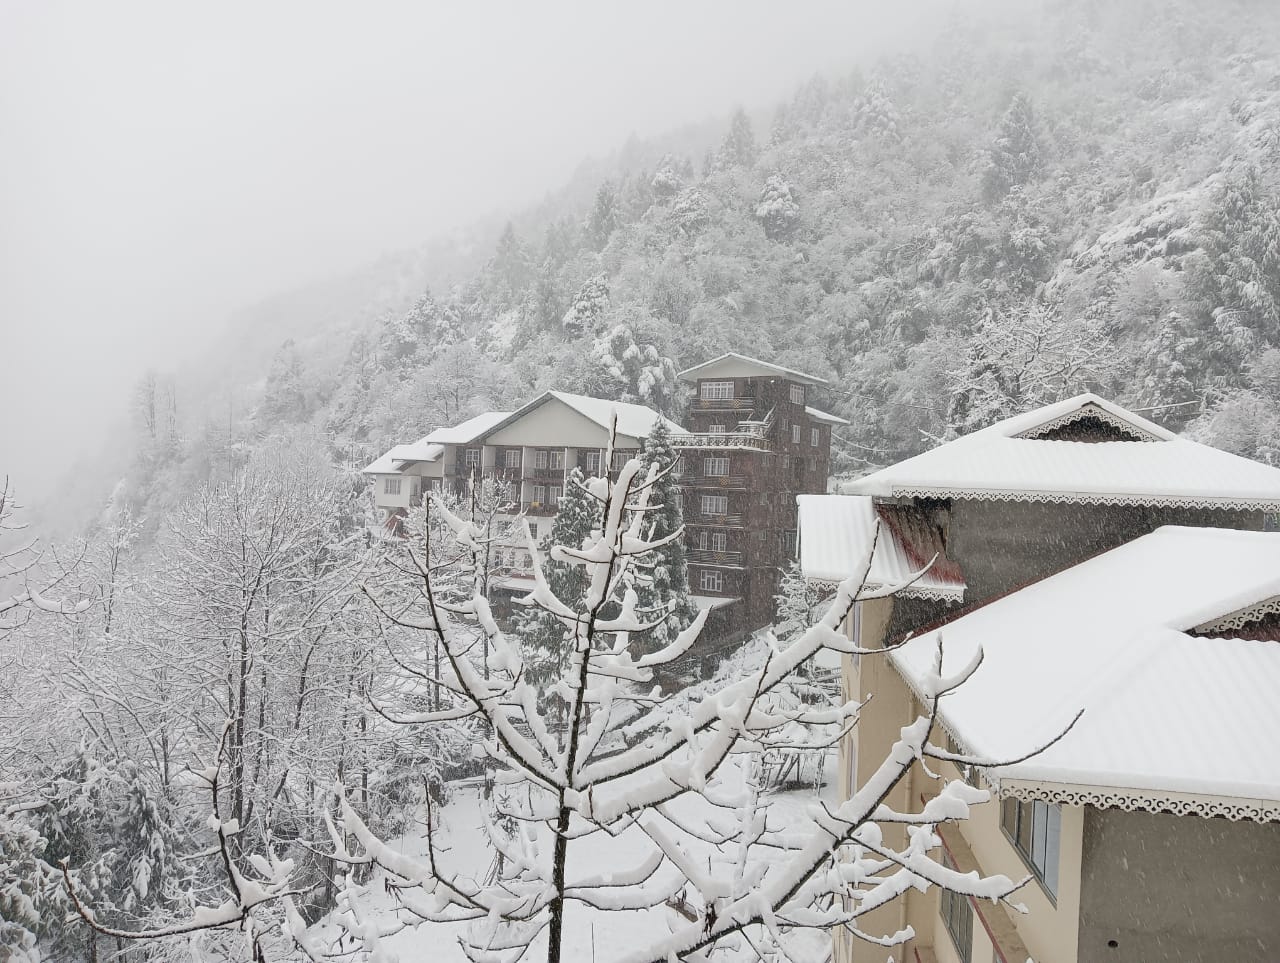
(1163, 711)
(836, 530)
(995, 463)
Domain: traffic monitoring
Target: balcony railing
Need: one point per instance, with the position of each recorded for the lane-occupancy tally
(725, 521)
(713, 481)
(754, 439)
(705, 556)
(724, 404)
(539, 508)
(544, 474)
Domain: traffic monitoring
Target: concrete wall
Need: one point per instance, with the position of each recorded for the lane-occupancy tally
(1183, 888)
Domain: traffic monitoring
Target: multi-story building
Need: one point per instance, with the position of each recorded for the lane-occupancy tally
(1005, 513)
(756, 442)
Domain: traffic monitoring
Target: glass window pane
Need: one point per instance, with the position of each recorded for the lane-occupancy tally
(1053, 840)
(1039, 825)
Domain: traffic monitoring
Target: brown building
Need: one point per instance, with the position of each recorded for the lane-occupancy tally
(755, 442)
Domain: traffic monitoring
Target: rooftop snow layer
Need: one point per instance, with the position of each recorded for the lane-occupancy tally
(836, 531)
(825, 416)
(734, 365)
(635, 421)
(1005, 461)
(468, 431)
(1163, 711)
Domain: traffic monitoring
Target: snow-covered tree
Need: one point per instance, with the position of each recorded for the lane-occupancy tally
(875, 113)
(738, 149)
(628, 369)
(777, 209)
(586, 314)
(603, 219)
(576, 785)
(31, 579)
(796, 603)
(1016, 158)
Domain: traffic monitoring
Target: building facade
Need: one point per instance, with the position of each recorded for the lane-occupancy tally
(1002, 514)
(755, 442)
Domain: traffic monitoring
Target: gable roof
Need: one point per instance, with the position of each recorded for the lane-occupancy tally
(1171, 721)
(469, 430)
(825, 416)
(634, 421)
(400, 457)
(733, 365)
(836, 531)
(1013, 460)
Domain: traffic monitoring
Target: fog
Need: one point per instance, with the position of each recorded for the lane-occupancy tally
(165, 165)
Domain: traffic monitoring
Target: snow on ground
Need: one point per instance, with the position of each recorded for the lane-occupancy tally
(591, 936)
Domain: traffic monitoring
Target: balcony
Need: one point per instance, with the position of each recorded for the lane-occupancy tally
(539, 508)
(703, 556)
(544, 474)
(724, 404)
(719, 521)
(713, 481)
(754, 439)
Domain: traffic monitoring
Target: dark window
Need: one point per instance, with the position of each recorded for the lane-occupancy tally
(957, 916)
(1035, 829)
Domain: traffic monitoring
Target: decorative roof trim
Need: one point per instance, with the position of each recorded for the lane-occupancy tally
(1088, 410)
(1240, 618)
(1234, 808)
(1090, 498)
(933, 593)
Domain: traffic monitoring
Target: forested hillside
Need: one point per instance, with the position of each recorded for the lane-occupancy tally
(1030, 208)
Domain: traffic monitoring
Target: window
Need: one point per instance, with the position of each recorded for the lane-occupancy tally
(533, 530)
(556, 492)
(540, 494)
(620, 458)
(719, 542)
(1035, 829)
(540, 458)
(511, 458)
(957, 916)
(702, 540)
(813, 437)
(716, 390)
(789, 543)
(556, 459)
(711, 580)
(716, 466)
(715, 504)
(472, 457)
(716, 429)
(797, 394)
(593, 463)
(795, 434)
(391, 486)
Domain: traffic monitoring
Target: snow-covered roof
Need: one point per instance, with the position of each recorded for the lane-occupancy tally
(469, 430)
(398, 458)
(733, 365)
(824, 416)
(634, 421)
(711, 601)
(1031, 457)
(1171, 721)
(836, 531)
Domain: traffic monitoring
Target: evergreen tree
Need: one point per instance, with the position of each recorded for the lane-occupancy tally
(664, 579)
(738, 149)
(30, 891)
(285, 398)
(511, 266)
(777, 209)
(1016, 158)
(875, 113)
(586, 314)
(542, 636)
(628, 370)
(604, 217)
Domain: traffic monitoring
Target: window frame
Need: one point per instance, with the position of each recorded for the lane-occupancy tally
(554, 494)
(536, 498)
(717, 429)
(797, 394)
(712, 465)
(511, 458)
(957, 915)
(711, 580)
(716, 391)
(719, 541)
(705, 499)
(391, 486)
(1018, 821)
(795, 434)
(471, 457)
(555, 459)
(540, 459)
(814, 437)
(594, 460)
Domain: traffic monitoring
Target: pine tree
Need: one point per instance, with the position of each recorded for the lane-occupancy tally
(1016, 158)
(604, 217)
(632, 371)
(586, 314)
(664, 581)
(542, 636)
(875, 113)
(511, 266)
(285, 399)
(738, 149)
(777, 209)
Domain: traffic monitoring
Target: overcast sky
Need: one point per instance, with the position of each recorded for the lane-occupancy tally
(164, 163)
